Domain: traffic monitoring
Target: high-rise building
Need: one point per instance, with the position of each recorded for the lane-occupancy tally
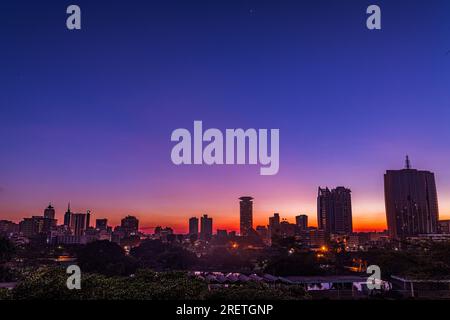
(334, 210)
(31, 227)
(206, 227)
(302, 221)
(101, 224)
(193, 226)
(67, 216)
(246, 215)
(130, 225)
(49, 212)
(78, 223)
(411, 202)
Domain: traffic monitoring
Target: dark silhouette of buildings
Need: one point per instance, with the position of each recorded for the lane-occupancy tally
(67, 216)
(101, 224)
(263, 232)
(246, 215)
(193, 226)
(411, 202)
(78, 223)
(206, 227)
(49, 212)
(36, 225)
(130, 225)
(334, 210)
(274, 224)
(302, 221)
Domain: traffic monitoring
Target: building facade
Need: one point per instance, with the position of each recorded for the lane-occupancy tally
(411, 202)
(246, 215)
(206, 227)
(334, 210)
(193, 226)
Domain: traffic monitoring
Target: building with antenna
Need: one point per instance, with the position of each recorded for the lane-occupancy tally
(411, 202)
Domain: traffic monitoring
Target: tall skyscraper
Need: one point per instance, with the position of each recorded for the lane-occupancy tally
(411, 202)
(49, 212)
(324, 210)
(246, 215)
(302, 221)
(334, 210)
(193, 226)
(67, 216)
(206, 227)
(130, 225)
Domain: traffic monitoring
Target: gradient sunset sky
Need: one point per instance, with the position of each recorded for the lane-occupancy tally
(86, 116)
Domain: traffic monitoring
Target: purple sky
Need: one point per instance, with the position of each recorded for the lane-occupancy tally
(87, 115)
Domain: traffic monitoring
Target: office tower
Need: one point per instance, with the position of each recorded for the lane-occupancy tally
(324, 210)
(193, 226)
(411, 202)
(67, 216)
(334, 210)
(246, 215)
(130, 225)
(49, 212)
(206, 227)
(78, 223)
(302, 221)
(30, 227)
(101, 224)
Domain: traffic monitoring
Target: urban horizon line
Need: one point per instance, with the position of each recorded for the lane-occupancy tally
(182, 227)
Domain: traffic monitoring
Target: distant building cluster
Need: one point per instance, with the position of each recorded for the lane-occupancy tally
(76, 228)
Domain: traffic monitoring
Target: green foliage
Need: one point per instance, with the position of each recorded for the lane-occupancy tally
(105, 257)
(430, 262)
(257, 291)
(225, 259)
(6, 274)
(7, 250)
(296, 264)
(5, 294)
(50, 283)
(163, 256)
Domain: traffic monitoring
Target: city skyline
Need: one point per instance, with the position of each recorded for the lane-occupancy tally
(88, 114)
(184, 227)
